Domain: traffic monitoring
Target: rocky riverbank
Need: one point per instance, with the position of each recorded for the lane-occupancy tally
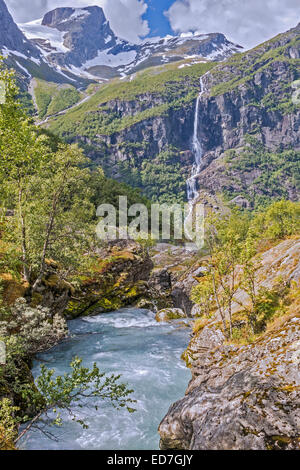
(241, 396)
(244, 396)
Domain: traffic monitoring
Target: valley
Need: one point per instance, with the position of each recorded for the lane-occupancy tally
(180, 121)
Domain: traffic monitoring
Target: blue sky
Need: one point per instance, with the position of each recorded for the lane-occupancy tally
(158, 23)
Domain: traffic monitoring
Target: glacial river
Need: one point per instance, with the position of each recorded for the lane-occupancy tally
(147, 354)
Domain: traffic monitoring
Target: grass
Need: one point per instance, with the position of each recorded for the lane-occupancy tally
(173, 87)
(157, 80)
(241, 72)
(51, 98)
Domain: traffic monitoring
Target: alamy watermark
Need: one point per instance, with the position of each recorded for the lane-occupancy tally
(160, 222)
(2, 92)
(2, 353)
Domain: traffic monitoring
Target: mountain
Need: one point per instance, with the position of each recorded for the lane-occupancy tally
(77, 46)
(141, 129)
(25, 56)
(82, 41)
(11, 38)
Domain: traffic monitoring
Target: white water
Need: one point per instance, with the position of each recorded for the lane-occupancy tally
(197, 149)
(146, 353)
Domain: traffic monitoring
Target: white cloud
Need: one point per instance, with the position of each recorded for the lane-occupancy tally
(125, 16)
(243, 21)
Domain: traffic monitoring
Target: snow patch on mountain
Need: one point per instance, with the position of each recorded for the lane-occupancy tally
(111, 60)
(80, 41)
(79, 13)
(55, 38)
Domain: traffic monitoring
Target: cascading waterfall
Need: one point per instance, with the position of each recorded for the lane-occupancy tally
(192, 192)
(197, 149)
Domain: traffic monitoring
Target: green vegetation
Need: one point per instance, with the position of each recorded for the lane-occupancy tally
(241, 68)
(65, 392)
(162, 179)
(49, 196)
(232, 262)
(276, 173)
(54, 394)
(64, 99)
(52, 98)
(280, 220)
(27, 103)
(172, 87)
(51, 193)
(159, 81)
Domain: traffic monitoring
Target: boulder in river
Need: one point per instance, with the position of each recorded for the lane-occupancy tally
(169, 314)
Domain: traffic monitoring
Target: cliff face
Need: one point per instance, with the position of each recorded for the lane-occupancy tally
(11, 37)
(240, 398)
(127, 125)
(248, 116)
(243, 397)
(145, 140)
(253, 94)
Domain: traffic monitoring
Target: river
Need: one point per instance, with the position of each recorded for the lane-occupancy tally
(146, 353)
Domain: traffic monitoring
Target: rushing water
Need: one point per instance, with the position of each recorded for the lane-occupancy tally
(146, 353)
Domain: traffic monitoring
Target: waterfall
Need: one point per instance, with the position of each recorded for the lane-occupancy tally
(197, 150)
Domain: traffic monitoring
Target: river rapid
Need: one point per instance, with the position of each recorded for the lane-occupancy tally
(147, 354)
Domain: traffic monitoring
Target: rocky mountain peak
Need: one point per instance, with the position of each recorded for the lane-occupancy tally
(68, 19)
(87, 31)
(11, 38)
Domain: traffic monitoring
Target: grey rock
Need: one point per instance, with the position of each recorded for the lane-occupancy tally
(11, 37)
(240, 398)
(86, 34)
(169, 314)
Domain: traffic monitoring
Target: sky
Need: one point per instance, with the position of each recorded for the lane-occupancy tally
(243, 21)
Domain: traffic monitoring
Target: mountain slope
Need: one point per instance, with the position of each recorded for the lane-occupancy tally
(11, 38)
(140, 129)
(249, 123)
(26, 58)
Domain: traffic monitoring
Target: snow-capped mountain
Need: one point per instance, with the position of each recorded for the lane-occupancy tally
(11, 38)
(80, 41)
(25, 57)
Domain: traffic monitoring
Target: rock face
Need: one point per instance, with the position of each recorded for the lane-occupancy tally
(240, 398)
(120, 278)
(244, 397)
(87, 32)
(248, 96)
(11, 37)
(143, 141)
(279, 262)
(181, 291)
(173, 277)
(169, 314)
